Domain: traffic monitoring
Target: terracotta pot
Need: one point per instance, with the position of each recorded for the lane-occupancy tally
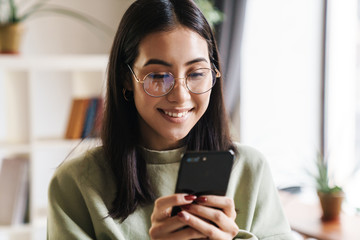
(331, 205)
(11, 37)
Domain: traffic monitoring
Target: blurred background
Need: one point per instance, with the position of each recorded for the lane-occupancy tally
(292, 87)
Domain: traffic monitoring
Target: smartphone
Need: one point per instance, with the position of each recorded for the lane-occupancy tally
(204, 173)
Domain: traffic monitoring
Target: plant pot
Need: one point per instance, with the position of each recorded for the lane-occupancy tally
(331, 205)
(11, 37)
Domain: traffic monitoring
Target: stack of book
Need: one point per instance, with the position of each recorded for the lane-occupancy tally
(85, 118)
(14, 190)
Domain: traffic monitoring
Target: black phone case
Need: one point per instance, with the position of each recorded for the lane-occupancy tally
(204, 173)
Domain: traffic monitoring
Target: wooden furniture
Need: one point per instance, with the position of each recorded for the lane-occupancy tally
(305, 218)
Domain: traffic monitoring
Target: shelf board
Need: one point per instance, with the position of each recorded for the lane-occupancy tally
(23, 231)
(58, 142)
(49, 143)
(15, 228)
(54, 62)
(15, 147)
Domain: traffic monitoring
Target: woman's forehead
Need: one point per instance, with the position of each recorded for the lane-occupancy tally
(178, 45)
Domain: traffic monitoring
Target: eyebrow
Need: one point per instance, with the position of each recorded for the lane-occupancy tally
(158, 62)
(196, 60)
(161, 62)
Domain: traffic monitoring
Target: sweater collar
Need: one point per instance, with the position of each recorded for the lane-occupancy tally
(162, 157)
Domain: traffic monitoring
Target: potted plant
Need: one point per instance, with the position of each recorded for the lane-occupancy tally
(211, 13)
(330, 196)
(11, 21)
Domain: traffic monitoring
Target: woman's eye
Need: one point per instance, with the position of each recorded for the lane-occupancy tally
(157, 76)
(197, 75)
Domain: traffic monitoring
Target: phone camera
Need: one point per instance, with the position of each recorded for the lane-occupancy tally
(193, 159)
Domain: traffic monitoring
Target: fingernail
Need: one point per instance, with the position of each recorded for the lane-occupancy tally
(201, 199)
(190, 197)
(184, 216)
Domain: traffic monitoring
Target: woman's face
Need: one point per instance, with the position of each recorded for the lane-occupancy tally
(165, 121)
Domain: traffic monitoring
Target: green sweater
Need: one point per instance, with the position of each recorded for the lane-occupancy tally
(82, 190)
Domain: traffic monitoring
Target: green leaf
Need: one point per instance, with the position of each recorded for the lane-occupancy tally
(43, 7)
(211, 13)
(13, 11)
(33, 9)
(87, 19)
(322, 176)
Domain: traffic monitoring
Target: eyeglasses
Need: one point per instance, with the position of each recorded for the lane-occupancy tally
(158, 84)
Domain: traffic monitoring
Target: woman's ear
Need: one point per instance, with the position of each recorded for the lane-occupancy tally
(128, 84)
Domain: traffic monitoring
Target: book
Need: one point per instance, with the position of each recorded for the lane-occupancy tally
(85, 118)
(70, 125)
(90, 117)
(77, 118)
(14, 187)
(95, 132)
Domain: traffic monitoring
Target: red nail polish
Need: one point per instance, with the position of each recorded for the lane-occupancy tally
(184, 216)
(190, 197)
(201, 199)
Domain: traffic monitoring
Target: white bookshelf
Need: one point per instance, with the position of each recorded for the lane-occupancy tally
(36, 93)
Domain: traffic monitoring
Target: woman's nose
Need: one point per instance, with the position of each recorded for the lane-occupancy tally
(180, 92)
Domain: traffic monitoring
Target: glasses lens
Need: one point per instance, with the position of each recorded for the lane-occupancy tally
(201, 80)
(158, 84)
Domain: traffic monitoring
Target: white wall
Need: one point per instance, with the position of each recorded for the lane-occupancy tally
(280, 89)
(56, 34)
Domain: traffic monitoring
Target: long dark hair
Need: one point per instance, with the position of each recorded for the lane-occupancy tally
(120, 135)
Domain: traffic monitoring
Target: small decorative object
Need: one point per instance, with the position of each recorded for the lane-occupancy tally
(10, 37)
(211, 13)
(331, 196)
(12, 27)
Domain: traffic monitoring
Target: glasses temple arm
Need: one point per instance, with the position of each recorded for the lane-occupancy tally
(132, 72)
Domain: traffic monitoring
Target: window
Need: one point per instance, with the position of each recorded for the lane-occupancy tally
(286, 55)
(342, 125)
(280, 85)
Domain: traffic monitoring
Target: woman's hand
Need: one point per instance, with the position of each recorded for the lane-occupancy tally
(163, 226)
(211, 210)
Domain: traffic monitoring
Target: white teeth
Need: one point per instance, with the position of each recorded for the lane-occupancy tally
(176, 115)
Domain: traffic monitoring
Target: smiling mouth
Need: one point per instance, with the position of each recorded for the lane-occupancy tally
(175, 114)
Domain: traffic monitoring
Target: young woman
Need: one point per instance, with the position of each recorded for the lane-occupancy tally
(164, 96)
